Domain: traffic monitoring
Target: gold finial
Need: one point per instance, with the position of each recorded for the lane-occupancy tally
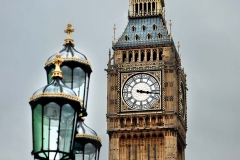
(57, 61)
(69, 31)
(82, 118)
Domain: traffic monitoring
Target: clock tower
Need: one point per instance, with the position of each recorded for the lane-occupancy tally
(146, 94)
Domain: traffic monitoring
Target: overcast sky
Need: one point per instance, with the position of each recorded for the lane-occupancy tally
(209, 34)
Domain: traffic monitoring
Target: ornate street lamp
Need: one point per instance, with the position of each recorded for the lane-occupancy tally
(76, 70)
(55, 109)
(87, 143)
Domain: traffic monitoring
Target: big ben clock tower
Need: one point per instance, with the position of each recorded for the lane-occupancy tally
(146, 94)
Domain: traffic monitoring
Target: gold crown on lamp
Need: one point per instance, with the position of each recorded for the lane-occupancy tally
(58, 62)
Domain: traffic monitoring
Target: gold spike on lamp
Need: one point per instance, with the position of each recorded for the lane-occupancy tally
(69, 31)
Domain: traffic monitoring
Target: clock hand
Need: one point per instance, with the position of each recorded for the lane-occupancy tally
(141, 91)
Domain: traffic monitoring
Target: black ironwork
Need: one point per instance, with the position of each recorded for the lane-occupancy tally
(54, 117)
(76, 74)
(87, 144)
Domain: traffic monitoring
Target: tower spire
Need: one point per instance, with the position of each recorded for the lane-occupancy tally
(178, 46)
(114, 30)
(109, 54)
(170, 24)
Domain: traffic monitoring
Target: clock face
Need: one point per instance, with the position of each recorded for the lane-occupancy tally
(141, 91)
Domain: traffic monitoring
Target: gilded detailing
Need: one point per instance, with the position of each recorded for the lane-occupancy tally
(124, 76)
(71, 59)
(57, 61)
(54, 94)
(69, 31)
(147, 63)
(88, 136)
(139, 66)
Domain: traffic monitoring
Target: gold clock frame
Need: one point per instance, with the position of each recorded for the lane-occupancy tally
(124, 76)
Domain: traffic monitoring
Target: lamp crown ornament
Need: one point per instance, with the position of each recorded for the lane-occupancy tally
(69, 31)
(58, 62)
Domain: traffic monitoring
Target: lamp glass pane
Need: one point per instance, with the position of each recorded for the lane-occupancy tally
(51, 126)
(79, 82)
(45, 133)
(78, 156)
(53, 87)
(37, 128)
(50, 75)
(86, 91)
(78, 151)
(67, 76)
(89, 151)
(67, 120)
(42, 155)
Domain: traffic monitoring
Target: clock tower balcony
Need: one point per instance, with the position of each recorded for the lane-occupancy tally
(142, 13)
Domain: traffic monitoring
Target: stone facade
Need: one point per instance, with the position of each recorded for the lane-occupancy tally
(157, 132)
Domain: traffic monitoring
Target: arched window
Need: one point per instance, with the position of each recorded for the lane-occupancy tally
(122, 123)
(137, 37)
(159, 35)
(126, 38)
(128, 122)
(134, 121)
(145, 8)
(142, 55)
(160, 54)
(136, 8)
(133, 28)
(149, 8)
(130, 57)
(148, 56)
(154, 26)
(140, 122)
(154, 55)
(149, 36)
(148, 136)
(147, 121)
(153, 121)
(160, 121)
(140, 8)
(153, 7)
(143, 27)
(136, 56)
(124, 57)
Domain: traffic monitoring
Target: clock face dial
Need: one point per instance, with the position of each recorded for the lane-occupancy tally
(141, 91)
